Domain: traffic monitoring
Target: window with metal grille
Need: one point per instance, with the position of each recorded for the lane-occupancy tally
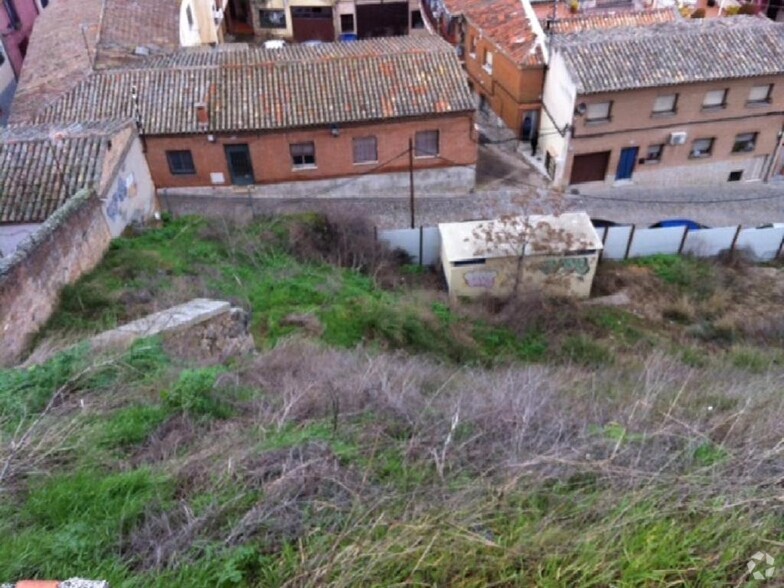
(744, 143)
(180, 162)
(426, 144)
(347, 23)
(365, 150)
(303, 154)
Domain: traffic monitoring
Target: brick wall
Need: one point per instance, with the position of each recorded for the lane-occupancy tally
(70, 243)
(633, 124)
(272, 162)
(510, 90)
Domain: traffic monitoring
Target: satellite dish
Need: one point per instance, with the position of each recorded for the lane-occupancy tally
(581, 108)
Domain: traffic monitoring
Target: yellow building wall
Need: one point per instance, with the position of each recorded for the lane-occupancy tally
(551, 274)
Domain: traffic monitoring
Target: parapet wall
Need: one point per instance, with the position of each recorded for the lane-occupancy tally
(69, 244)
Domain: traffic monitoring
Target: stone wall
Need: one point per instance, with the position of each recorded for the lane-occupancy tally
(69, 244)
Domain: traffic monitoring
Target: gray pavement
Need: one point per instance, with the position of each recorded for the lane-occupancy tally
(751, 203)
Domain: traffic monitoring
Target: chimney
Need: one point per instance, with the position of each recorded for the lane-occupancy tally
(202, 116)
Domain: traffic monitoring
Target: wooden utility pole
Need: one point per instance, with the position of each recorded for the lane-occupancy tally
(411, 179)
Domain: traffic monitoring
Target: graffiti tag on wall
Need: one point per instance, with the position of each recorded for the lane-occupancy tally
(566, 265)
(480, 279)
(125, 189)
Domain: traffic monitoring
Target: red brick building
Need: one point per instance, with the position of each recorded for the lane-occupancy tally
(300, 121)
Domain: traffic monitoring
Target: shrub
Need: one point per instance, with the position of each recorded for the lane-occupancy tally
(699, 13)
(194, 394)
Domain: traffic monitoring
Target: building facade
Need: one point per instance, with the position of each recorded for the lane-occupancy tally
(202, 22)
(347, 119)
(685, 118)
(323, 20)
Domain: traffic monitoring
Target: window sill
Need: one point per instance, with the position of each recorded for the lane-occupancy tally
(758, 104)
(303, 167)
(598, 122)
(742, 151)
(426, 156)
(665, 114)
(651, 162)
(704, 156)
(709, 109)
(188, 173)
(365, 162)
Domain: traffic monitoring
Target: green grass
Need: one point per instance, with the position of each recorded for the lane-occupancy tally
(260, 271)
(355, 497)
(74, 522)
(690, 274)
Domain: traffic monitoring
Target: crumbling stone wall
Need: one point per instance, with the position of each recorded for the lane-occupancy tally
(69, 244)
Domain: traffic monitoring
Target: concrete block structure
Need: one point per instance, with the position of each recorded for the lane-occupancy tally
(555, 255)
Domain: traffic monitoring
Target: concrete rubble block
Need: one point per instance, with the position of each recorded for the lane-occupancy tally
(212, 341)
(175, 319)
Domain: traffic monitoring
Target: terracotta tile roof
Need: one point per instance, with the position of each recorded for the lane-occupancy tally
(71, 37)
(41, 166)
(673, 53)
(506, 24)
(613, 19)
(503, 22)
(258, 89)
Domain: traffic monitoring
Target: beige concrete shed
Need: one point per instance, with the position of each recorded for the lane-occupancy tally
(483, 257)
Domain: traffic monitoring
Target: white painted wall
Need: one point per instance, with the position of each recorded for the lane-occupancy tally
(12, 235)
(131, 195)
(206, 29)
(558, 98)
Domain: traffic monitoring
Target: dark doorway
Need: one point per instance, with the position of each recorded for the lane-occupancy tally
(590, 167)
(239, 21)
(240, 166)
(626, 163)
(312, 23)
(382, 20)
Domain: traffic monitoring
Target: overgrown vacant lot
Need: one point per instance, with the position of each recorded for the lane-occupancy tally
(404, 441)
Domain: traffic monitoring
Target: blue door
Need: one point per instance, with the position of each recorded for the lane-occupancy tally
(626, 163)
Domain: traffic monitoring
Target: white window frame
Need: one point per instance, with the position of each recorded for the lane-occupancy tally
(665, 104)
(648, 158)
(488, 64)
(760, 94)
(599, 112)
(299, 148)
(715, 99)
(702, 153)
(745, 142)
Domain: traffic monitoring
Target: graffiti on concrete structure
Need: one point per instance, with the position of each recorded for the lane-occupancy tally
(566, 265)
(125, 189)
(480, 279)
